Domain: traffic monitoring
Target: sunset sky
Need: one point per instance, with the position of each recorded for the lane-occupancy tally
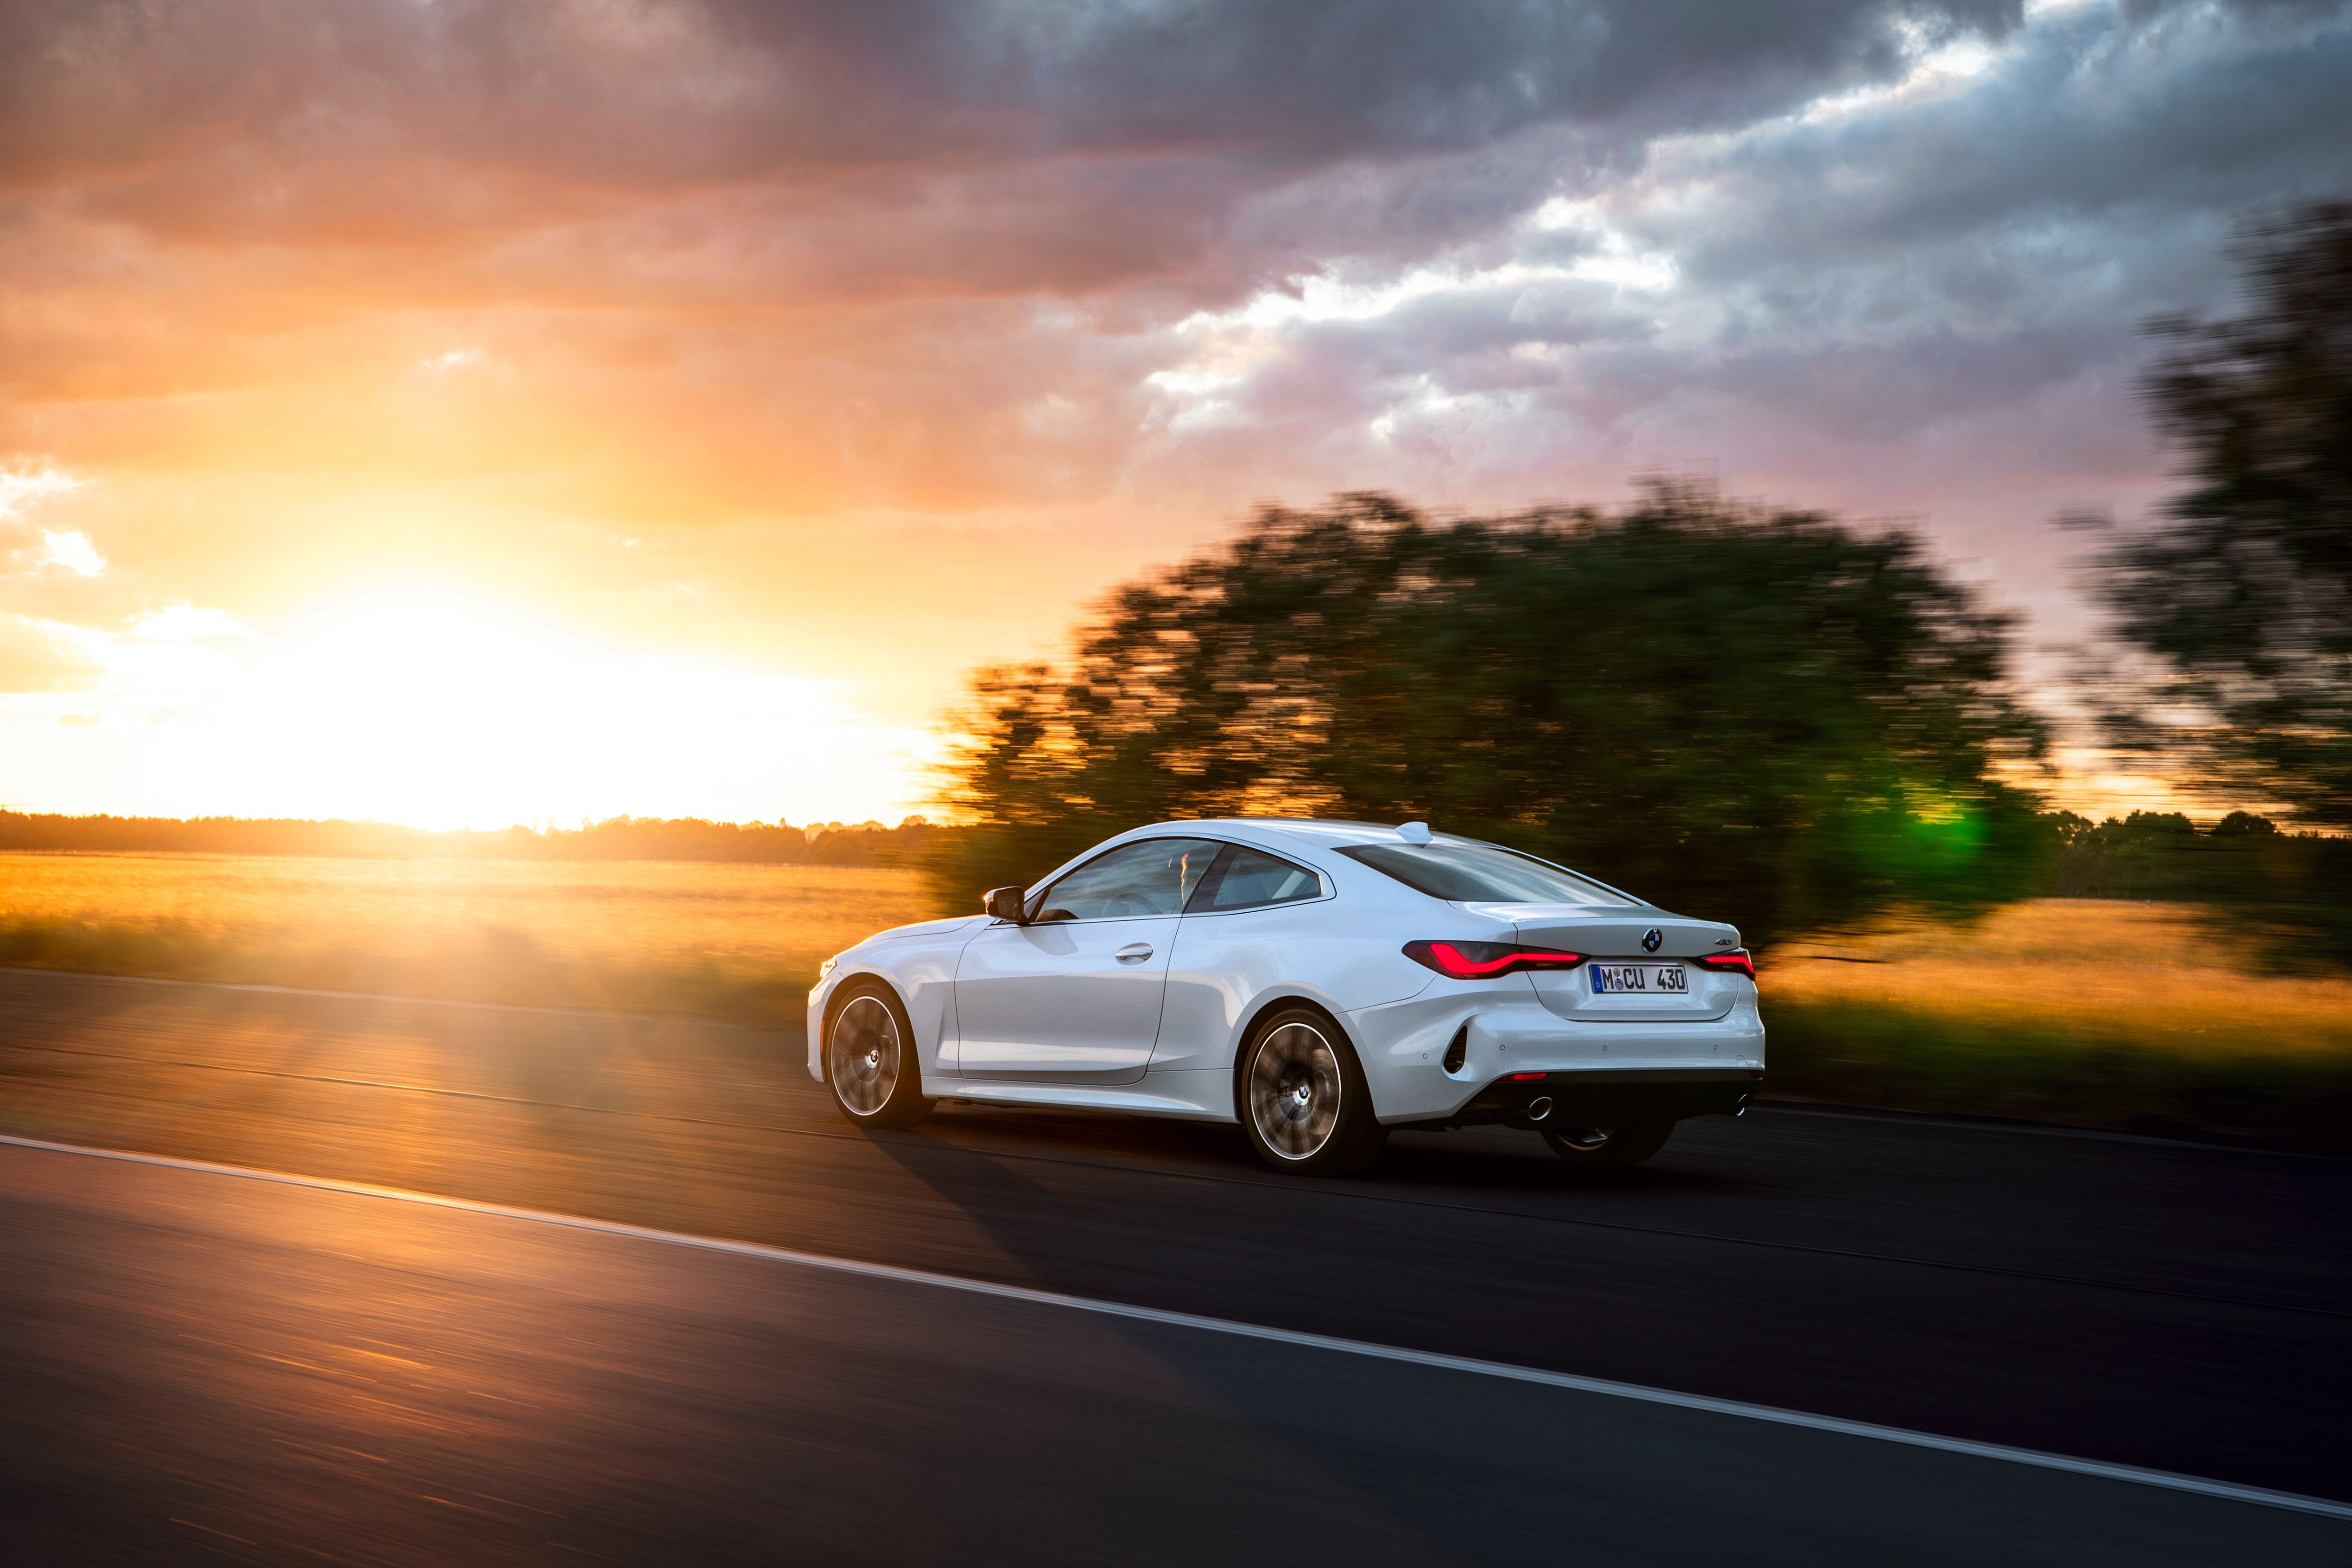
(459, 413)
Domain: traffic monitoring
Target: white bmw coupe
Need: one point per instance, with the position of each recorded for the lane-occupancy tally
(1319, 983)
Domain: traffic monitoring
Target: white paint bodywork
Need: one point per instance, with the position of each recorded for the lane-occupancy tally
(1050, 1014)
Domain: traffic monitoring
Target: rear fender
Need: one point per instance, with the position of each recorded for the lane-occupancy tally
(1266, 1005)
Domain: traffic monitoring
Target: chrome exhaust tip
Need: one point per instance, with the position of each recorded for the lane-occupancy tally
(1538, 1108)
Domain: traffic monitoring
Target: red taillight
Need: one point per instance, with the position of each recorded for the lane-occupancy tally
(1485, 960)
(1523, 1077)
(1734, 962)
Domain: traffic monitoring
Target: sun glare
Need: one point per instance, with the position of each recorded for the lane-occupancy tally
(427, 706)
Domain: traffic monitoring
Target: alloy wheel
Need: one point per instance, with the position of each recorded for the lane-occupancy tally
(1294, 1090)
(863, 1055)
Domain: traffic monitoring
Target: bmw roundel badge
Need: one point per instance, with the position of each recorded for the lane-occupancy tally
(1652, 939)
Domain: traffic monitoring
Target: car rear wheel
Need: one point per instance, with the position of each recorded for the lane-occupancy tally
(869, 1061)
(1609, 1148)
(1305, 1104)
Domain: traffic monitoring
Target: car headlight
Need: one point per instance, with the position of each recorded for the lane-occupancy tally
(827, 967)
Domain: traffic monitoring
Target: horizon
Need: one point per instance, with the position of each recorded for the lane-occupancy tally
(2203, 821)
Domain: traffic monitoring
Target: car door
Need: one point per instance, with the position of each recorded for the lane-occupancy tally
(1074, 996)
(1256, 919)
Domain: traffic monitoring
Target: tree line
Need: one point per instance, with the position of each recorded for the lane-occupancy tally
(618, 838)
(1768, 714)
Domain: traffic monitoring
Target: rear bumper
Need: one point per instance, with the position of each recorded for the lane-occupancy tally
(1430, 1059)
(1606, 1097)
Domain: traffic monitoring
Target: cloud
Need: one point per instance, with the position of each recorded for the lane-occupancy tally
(39, 658)
(191, 624)
(1961, 238)
(729, 257)
(443, 132)
(72, 550)
(22, 486)
(453, 360)
(639, 90)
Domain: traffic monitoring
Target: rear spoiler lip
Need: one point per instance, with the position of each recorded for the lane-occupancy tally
(1574, 929)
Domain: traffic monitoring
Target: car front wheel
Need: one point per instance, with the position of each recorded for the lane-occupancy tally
(869, 1061)
(1305, 1104)
(1609, 1148)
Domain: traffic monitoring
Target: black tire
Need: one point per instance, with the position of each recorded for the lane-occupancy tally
(1302, 1096)
(869, 1058)
(1609, 1148)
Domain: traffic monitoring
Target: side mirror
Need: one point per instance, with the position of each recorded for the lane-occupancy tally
(1006, 904)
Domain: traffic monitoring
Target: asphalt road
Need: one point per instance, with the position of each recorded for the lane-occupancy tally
(2149, 1304)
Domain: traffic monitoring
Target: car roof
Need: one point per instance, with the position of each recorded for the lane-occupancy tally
(1302, 835)
(1321, 832)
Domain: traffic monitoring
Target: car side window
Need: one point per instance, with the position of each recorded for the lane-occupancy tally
(1250, 880)
(1150, 877)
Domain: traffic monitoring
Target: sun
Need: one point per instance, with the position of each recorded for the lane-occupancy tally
(438, 708)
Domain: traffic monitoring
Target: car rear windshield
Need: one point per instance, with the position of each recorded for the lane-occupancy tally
(1481, 873)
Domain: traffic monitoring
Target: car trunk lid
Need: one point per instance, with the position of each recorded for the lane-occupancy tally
(1614, 935)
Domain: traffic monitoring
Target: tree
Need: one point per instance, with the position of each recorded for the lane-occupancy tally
(1771, 717)
(2243, 594)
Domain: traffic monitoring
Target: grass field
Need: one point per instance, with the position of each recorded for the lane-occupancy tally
(2158, 1017)
(657, 936)
(2106, 1013)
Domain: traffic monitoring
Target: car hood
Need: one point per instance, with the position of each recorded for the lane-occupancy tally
(929, 928)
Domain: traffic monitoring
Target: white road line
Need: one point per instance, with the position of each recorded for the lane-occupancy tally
(2196, 1485)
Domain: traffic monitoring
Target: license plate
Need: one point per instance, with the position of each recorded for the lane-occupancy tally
(1640, 978)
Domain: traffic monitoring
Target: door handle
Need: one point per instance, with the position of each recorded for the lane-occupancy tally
(1134, 953)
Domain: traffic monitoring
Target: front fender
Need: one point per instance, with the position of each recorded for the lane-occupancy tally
(921, 969)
